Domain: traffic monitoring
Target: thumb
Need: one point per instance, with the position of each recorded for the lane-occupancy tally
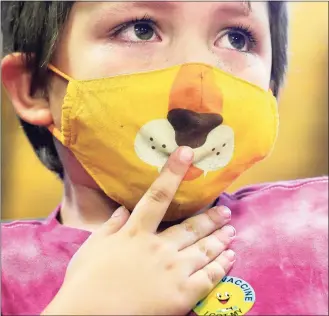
(117, 220)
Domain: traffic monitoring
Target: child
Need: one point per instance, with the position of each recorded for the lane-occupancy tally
(106, 92)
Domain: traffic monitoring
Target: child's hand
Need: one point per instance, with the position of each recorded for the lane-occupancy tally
(126, 268)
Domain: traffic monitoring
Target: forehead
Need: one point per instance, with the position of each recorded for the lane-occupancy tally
(244, 6)
(230, 7)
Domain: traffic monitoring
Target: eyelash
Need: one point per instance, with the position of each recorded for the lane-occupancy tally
(146, 19)
(152, 22)
(246, 31)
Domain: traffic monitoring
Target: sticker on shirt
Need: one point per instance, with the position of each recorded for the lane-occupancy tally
(231, 297)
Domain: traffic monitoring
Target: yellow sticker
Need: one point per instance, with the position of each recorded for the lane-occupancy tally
(231, 297)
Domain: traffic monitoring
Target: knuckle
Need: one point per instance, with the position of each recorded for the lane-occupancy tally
(210, 249)
(219, 271)
(209, 217)
(214, 216)
(207, 285)
(202, 247)
(211, 275)
(155, 246)
(205, 249)
(218, 237)
(190, 227)
(170, 265)
(132, 231)
(223, 262)
(158, 195)
(167, 250)
(215, 273)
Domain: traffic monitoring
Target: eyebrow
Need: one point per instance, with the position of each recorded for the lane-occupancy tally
(247, 6)
(236, 8)
(165, 6)
(156, 5)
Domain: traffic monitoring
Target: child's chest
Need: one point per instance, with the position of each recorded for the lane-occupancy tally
(272, 276)
(277, 278)
(282, 258)
(281, 267)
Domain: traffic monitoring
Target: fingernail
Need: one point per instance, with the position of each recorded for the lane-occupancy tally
(186, 154)
(225, 211)
(230, 255)
(229, 230)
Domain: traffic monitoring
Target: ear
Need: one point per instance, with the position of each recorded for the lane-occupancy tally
(17, 81)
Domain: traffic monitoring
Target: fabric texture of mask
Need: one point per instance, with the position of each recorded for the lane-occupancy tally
(122, 130)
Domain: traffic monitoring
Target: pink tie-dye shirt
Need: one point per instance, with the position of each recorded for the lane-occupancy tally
(281, 246)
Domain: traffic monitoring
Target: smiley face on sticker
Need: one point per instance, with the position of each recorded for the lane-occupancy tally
(231, 297)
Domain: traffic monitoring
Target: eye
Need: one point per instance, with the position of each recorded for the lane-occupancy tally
(138, 31)
(219, 295)
(227, 294)
(237, 38)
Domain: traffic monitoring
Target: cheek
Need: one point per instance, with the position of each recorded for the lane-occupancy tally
(110, 60)
(249, 67)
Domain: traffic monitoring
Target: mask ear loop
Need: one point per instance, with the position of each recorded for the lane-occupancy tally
(52, 128)
(60, 73)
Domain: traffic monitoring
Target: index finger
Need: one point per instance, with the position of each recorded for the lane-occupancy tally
(152, 207)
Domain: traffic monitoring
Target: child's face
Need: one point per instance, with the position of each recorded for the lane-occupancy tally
(103, 39)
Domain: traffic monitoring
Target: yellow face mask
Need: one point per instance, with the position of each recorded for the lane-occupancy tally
(122, 130)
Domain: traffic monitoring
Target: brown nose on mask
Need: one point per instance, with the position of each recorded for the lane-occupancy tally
(191, 128)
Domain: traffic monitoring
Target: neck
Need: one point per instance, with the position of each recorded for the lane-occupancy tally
(85, 208)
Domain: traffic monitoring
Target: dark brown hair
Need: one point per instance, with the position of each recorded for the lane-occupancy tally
(33, 28)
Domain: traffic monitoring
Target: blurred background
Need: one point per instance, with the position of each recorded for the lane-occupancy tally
(29, 190)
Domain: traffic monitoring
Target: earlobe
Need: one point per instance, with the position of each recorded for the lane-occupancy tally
(17, 82)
